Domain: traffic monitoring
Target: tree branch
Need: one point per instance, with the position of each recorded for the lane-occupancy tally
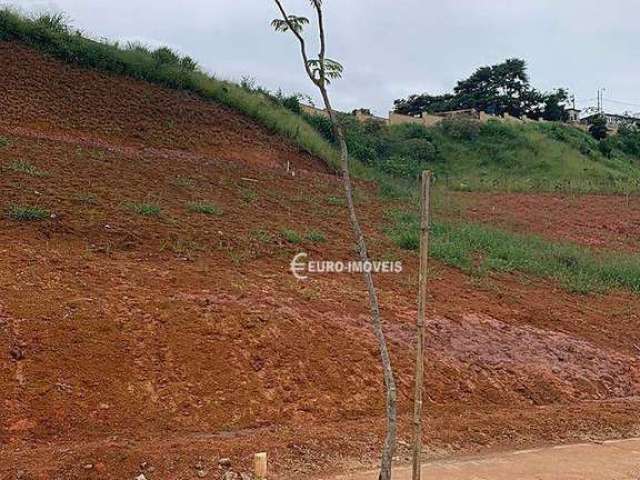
(303, 48)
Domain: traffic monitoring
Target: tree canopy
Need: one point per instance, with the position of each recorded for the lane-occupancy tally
(498, 89)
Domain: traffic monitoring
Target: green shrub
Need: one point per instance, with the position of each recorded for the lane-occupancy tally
(205, 208)
(4, 142)
(28, 213)
(461, 128)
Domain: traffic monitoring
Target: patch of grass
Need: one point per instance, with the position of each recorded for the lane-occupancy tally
(262, 236)
(20, 166)
(336, 201)
(204, 208)
(184, 182)
(86, 198)
(478, 249)
(315, 236)
(248, 195)
(28, 213)
(182, 247)
(4, 142)
(291, 236)
(145, 209)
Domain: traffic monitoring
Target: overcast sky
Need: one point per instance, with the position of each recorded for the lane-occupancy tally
(390, 48)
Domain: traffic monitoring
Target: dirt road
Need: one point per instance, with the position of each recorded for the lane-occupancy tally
(612, 460)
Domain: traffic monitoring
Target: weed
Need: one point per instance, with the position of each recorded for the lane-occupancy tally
(291, 236)
(20, 166)
(336, 201)
(262, 236)
(4, 142)
(145, 209)
(205, 208)
(248, 195)
(184, 248)
(27, 213)
(315, 236)
(184, 182)
(87, 198)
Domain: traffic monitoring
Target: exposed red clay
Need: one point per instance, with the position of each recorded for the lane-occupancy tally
(158, 345)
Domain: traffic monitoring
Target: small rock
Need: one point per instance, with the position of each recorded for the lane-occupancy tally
(246, 476)
(224, 462)
(230, 475)
(17, 354)
(88, 466)
(202, 473)
(141, 477)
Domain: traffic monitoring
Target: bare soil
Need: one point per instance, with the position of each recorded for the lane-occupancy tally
(609, 222)
(157, 345)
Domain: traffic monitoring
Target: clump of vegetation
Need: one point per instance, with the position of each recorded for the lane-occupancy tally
(478, 249)
(184, 182)
(315, 236)
(262, 236)
(20, 166)
(205, 208)
(248, 195)
(336, 201)
(4, 142)
(53, 35)
(28, 213)
(291, 236)
(398, 150)
(87, 198)
(145, 209)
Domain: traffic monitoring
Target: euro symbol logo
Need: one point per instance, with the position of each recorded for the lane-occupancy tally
(299, 266)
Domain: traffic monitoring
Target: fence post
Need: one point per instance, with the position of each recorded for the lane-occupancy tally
(425, 213)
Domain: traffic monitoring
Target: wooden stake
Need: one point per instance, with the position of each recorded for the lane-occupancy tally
(260, 465)
(425, 214)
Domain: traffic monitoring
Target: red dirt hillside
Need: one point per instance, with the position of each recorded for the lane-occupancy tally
(159, 344)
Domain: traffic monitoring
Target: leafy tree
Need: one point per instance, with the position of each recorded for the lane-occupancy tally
(499, 89)
(598, 128)
(321, 72)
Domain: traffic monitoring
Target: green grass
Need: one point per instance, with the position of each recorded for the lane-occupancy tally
(548, 157)
(28, 213)
(262, 236)
(204, 208)
(4, 142)
(52, 35)
(336, 201)
(479, 249)
(291, 236)
(315, 236)
(20, 166)
(184, 182)
(145, 209)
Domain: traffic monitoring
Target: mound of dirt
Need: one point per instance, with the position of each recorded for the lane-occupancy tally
(156, 341)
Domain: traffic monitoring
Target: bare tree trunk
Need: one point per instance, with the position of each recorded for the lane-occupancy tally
(376, 322)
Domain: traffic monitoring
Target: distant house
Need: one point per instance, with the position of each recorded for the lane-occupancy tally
(573, 115)
(614, 121)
